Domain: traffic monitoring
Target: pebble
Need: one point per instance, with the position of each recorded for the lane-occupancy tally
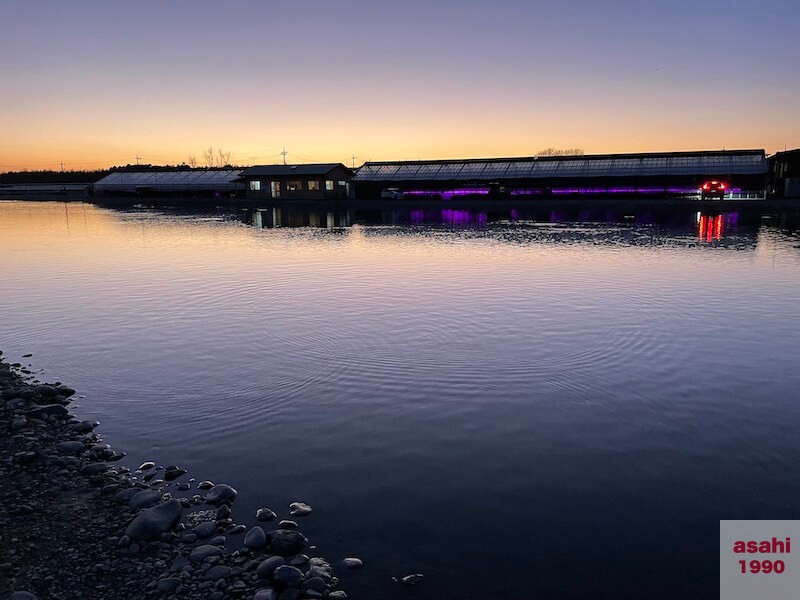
(288, 576)
(151, 522)
(299, 509)
(265, 594)
(353, 563)
(255, 538)
(205, 530)
(265, 514)
(287, 524)
(168, 585)
(267, 567)
(217, 572)
(146, 466)
(221, 493)
(144, 499)
(286, 542)
(205, 485)
(338, 595)
(203, 552)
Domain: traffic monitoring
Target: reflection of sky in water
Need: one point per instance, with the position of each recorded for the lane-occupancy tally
(454, 391)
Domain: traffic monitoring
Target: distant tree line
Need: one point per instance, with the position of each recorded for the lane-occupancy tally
(90, 176)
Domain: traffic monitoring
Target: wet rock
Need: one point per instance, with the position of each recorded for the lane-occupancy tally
(65, 391)
(173, 473)
(50, 410)
(168, 585)
(144, 499)
(338, 595)
(218, 540)
(189, 538)
(146, 466)
(265, 594)
(71, 447)
(94, 469)
(221, 493)
(267, 567)
(223, 512)
(217, 572)
(205, 485)
(353, 563)
(299, 509)
(45, 391)
(285, 542)
(85, 426)
(236, 530)
(288, 576)
(205, 530)
(16, 425)
(152, 522)
(22, 596)
(255, 538)
(265, 514)
(123, 496)
(314, 583)
(203, 552)
(287, 524)
(412, 579)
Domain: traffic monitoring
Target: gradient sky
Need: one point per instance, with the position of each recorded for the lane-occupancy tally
(94, 83)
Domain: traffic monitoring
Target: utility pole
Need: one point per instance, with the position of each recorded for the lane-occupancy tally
(63, 184)
(354, 157)
(284, 153)
(137, 159)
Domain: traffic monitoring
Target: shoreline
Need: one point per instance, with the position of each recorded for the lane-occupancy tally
(75, 525)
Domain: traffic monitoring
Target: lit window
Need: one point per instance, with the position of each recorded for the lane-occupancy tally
(328, 185)
(294, 186)
(342, 182)
(255, 185)
(313, 185)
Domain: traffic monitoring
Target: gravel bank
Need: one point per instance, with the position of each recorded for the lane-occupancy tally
(73, 524)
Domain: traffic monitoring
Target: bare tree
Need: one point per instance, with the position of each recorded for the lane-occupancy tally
(208, 156)
(192, 161)
(223, 158)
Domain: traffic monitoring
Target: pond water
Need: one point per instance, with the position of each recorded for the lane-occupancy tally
(515, 403)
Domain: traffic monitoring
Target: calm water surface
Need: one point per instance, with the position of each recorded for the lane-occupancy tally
(519, 404)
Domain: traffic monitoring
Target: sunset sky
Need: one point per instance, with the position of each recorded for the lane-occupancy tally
(96, 83)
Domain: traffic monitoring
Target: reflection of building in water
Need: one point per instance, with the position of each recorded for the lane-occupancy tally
(271, 218)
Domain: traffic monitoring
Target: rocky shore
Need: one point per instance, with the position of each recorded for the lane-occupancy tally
(74, 524)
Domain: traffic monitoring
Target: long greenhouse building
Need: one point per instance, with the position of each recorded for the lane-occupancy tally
(742, 172)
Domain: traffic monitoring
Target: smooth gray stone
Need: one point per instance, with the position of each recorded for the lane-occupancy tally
(144, 499)
(73, 447)
(47, 391)
(288, 576)
(65, 391)
(168, 585)
(173, 473)
(146, 466)
(201, 553)
(16, 425)
(338, 595)
(22, 596)
(299, 509)
(267, 567)
(123, 496)
(285, 542)
(265, 594)
(152, 522)
(314, 583)
(205, 485)
(94, 469)
(217, 572)
(255, 538)
(287, 524)
(265, 514)
(189, 538)
(85, 427)
(52, 410)
(221, 493)
(218, 540)
(353, 563)
(205, 530)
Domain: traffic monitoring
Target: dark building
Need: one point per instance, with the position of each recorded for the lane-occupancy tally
(744, 173)
(180, 183)
(784, 174)
(327, 181)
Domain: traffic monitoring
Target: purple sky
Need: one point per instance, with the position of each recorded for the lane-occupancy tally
(95, 83)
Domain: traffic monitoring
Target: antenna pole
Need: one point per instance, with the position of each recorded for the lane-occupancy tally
(354, 157)
(284, 153)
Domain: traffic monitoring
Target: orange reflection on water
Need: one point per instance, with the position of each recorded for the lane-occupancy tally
(710, 228)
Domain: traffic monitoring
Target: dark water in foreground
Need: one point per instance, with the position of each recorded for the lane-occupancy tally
(518, 405)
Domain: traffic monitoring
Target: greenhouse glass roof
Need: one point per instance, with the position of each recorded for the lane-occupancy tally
(732, 162)
(216, 179)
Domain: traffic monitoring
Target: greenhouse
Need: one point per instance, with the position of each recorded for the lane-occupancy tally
(673, 173)
(205, 182)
